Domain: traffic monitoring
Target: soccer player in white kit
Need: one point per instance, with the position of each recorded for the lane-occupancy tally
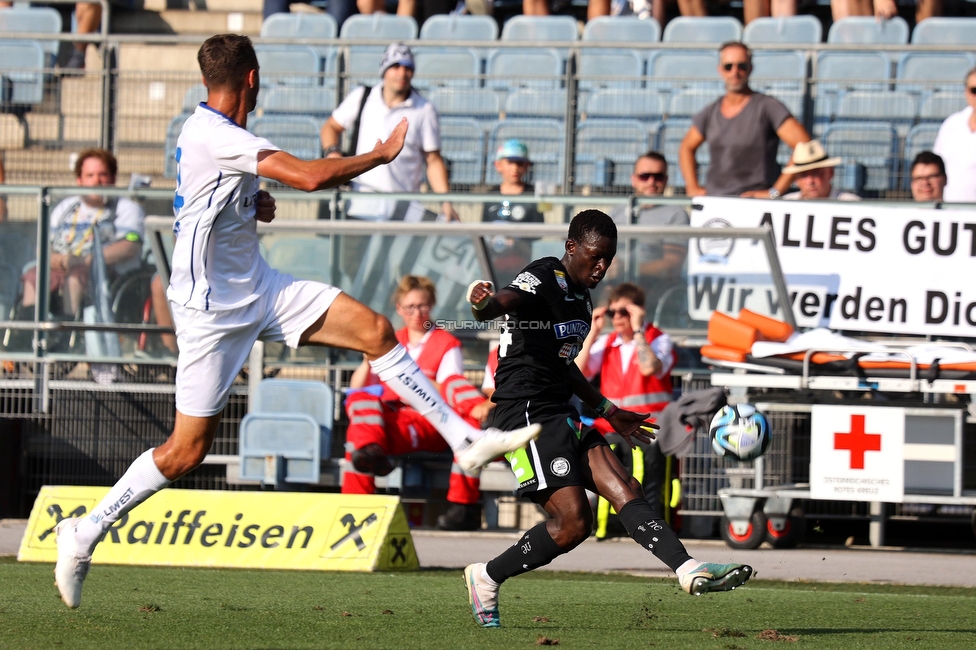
(224, 297)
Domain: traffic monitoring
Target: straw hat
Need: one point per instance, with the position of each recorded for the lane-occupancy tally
(810, 155)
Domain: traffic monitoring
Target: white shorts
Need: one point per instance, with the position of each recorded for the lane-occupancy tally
(215, 344)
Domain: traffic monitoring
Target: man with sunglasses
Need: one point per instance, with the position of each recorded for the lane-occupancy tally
(928, 177)
(743, 130)
(956, 143)
(660, 258)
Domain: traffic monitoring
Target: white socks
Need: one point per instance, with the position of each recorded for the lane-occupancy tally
(142, 480)
(398, 370)
(688, 566)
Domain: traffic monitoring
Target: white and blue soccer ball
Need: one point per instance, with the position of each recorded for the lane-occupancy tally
(741, 432)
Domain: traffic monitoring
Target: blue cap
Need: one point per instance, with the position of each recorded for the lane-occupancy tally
(513, 150)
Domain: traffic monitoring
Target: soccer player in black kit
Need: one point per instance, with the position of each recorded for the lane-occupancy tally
(547, 311)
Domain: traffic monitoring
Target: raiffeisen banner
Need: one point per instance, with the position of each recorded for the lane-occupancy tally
(848, 266)
(255, 530)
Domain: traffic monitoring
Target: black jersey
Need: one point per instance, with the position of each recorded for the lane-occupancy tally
(544, 335)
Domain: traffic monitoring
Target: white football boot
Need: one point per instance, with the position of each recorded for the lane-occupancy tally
(70, 571)
(495, 443)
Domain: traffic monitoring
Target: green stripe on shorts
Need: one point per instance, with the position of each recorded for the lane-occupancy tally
(521, 466)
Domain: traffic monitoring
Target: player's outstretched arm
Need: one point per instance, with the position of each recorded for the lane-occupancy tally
(311, 175)
(486, 305)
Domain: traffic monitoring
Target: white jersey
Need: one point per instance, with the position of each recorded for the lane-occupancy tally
(216, 262)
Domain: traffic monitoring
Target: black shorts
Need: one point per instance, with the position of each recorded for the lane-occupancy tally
(557, 459)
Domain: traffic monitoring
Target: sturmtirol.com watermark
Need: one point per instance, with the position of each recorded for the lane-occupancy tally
(451, 325)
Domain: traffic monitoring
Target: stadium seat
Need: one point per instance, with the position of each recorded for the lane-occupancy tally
(622, 29)
(622, 103)
(606, 151)
(388, 28)
(940, 105)
(925, 72)
(41, 20)
(453, 27)
(299, 25)
(867, 30)
(920, 138)
(897, 108)
(688, 102)
(791, 30)
(535, 102)
(296, 134)
(540, 29)
(481, 103)
(363, 64)
(457, 67)
(314, 101)
(297, 65)
(945, 31)
(543, 137)
(873, 144)
(778, 69)
(463, 148)
(703, 29)
(172, 133)
(193, 96)
(792, 99)
(290, 421)
(837, 72)
(518, 68)
(610, 69)
(306, 257)
(23, 63)
(675, 69)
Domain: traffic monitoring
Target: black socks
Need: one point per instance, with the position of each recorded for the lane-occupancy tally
(650, 531)
(535, 549)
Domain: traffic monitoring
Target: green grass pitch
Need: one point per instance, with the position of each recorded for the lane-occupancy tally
(130, 607)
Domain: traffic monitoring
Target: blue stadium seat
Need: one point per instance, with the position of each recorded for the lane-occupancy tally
(193, 96)
(790, 30)
(940, 105)
(606, 151)
(535, 102)
(945, 31)
(924, 72)
(669, 139)
(867, 30)
(623, 103)
(873, 144)
(23, 71)
(667, 69)
(172, 133)
(304, 25)
(610, 69)
(518, 68)
(296, 65)
(388, 28)
(703, 29)
(296, 134)
(897, 108)
(481, 103)
(622, 29)
(778, 69)
(456, 67)
(463, 147)
(543, 137)
(42, 20)
(444, 27)
(363, 64)
(837, 72)
(688, 102)
(792, 99)
(314, 101)
(920, 138)
(540, 29)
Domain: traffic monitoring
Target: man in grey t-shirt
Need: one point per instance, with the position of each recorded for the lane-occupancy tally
(659, 259)
(743, 130)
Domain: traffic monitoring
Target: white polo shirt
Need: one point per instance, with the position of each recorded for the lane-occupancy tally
(406, 171)
(216, 262)
(956, 143)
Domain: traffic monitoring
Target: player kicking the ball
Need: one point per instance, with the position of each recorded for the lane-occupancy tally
(224, 297)
(535, 380)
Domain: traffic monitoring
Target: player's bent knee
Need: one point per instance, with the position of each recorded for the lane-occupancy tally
(378, 336)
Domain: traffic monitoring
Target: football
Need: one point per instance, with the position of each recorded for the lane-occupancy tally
(741, 432)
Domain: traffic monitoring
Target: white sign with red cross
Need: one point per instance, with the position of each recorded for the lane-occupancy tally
(857, 453)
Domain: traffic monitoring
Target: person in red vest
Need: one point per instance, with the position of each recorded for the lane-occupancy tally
(634, 362)
(380, 425)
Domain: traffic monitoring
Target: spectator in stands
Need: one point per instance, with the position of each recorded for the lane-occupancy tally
(634, 363)
(928, 177)
(380, 424)
(338, 9)
(743, 130)
(3, 197)
(511, 254)
(659, 258)
(77, 220)
(813, 173)
(88, 16)
(882, 9)
(956, 143)
(374, 118)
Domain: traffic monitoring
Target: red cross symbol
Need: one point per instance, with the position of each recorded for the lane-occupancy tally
(857, 441)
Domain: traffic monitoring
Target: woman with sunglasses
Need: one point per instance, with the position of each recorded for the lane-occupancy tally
(380, 425)
(956, 143)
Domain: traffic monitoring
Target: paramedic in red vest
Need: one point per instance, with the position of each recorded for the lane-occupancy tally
(634, 362)
(380, 425)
